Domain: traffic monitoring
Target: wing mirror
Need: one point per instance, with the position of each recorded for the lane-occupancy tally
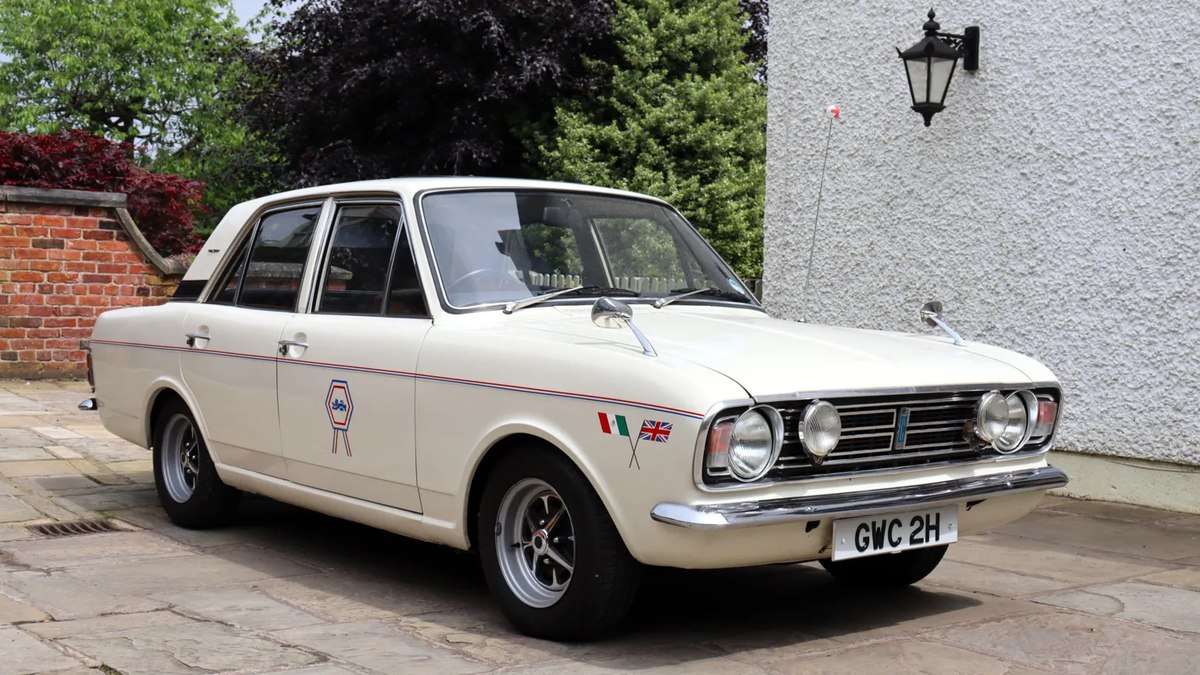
(609, 313)
(931, 315)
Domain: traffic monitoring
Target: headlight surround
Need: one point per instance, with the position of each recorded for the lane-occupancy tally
(754, 443)
(1006, 422)
(820, 430)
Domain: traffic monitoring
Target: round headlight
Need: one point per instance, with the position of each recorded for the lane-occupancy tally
(992, 417)
(754, 443)
(820, 430)
(1021, 407)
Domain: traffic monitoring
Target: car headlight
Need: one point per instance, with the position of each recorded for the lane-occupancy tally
(754, 443)
(1006, 422)
(820, 430)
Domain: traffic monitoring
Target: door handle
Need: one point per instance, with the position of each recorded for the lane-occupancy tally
(192, 337)
(284, 344)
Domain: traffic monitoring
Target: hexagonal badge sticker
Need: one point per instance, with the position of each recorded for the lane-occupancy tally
(340, 407)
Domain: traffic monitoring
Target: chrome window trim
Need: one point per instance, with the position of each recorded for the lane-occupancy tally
(722, 407)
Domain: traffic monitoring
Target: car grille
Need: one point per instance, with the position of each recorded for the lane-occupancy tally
(940, 429)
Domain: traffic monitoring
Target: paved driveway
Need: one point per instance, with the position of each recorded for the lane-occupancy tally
(1075, 587)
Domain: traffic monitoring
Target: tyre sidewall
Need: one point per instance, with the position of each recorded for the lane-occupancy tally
(586, 606)
(211, 501)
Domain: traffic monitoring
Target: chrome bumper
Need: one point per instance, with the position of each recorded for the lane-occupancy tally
(845, 505)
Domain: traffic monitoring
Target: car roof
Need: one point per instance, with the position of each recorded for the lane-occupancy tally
(232, 224)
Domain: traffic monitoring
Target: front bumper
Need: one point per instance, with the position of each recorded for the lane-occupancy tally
(846, 505)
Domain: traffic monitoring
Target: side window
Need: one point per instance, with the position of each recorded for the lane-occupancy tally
(356, 265)
(276, 263)
(404, 296)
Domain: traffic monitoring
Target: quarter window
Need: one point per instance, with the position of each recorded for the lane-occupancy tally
(356, 266)
(276, 265)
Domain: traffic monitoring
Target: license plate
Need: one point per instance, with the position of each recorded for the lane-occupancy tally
(892, 532)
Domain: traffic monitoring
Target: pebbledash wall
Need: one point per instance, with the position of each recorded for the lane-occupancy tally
(1054, 207)
(65, 257)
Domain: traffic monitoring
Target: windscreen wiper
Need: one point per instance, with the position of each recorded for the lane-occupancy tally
(576, 290)
(681, 293)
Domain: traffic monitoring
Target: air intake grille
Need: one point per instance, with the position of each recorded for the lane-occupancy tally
(939, 427)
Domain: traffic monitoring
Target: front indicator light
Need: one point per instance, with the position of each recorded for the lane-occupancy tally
(1047, 417)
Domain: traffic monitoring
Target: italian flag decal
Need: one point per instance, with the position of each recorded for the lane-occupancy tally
(610, 424)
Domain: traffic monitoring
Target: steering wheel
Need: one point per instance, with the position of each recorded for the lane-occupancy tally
(503, 279)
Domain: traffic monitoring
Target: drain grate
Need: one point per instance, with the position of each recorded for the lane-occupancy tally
(73, 527)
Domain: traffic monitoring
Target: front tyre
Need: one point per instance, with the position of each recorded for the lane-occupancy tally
(894, 570)
(187, 483)
(551, 554)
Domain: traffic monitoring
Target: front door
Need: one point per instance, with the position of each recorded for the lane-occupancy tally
(346, 387)
(233, 341)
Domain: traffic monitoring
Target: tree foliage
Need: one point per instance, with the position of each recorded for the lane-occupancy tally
(161, 204)
(365, 88)
(682, 117)
(757, 28)
(140, 71)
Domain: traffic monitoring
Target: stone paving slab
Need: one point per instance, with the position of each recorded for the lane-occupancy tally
(1163, 606)
(379, 647)
(24, 653)
(64, 597)
(1078, 643)
(15, 510)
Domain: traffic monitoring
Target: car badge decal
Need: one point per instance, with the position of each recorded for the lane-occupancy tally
(651, 430)
(340, 407)
(901, 428)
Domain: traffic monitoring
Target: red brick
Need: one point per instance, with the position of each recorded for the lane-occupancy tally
(43, 311)
(41, 355)
(31, 231)
(29, 253)
(30, 299)
(98, 256)
(99, 235)
(131, 258)
(10, 333)
(45, 265)
(62, 343)
(79, 266)
(61, 322)
(66, 232)
(16, 219)
(48, 210)
(63, 254)
(14, 264)
(82, 222)
(43, 333)
(25, 344)
(45, 289)
(114, 268)
(60, 277)
(48, 221)
(78, 311)
(92, 301)
(95, 289)
(81, 244)
(14, 242)
(24, 322)
(114, 246)
(28, 276)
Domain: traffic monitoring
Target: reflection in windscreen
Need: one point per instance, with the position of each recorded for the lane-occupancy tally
(497, 246)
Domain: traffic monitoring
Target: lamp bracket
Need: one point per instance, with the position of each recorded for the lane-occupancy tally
(967, 45)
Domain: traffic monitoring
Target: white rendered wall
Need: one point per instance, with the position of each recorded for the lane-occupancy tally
(1052, 207)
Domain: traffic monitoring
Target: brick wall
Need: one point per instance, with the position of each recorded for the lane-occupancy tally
(65, 257)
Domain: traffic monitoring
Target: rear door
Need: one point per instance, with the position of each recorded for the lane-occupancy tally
(346, 387)
(233, 339)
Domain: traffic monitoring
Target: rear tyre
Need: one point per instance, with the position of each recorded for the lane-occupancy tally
(894, 570)
(550, 552)
(188, 486)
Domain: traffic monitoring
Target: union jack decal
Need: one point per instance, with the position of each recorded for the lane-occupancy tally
(657, 432)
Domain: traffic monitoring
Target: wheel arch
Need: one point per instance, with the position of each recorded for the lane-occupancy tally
(162, 392)
(492, 456)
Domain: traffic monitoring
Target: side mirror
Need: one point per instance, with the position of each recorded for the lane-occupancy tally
(609, 313)
(931, 312)
(931, 315)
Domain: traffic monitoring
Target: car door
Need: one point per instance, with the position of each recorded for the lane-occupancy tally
(233, 340)
(346, 386)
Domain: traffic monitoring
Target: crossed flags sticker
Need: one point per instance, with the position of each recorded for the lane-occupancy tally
(651, 430)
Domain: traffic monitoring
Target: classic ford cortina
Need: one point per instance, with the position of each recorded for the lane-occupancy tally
(568, 380)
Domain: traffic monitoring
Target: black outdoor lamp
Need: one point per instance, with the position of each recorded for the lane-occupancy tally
(930, 65)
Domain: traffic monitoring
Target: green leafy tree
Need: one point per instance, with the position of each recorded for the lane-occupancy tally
(139, 71)
(682, 117)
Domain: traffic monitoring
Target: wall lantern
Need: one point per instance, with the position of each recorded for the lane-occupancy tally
(930, 65)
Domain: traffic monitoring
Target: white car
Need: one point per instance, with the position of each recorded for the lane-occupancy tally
(567, 379)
